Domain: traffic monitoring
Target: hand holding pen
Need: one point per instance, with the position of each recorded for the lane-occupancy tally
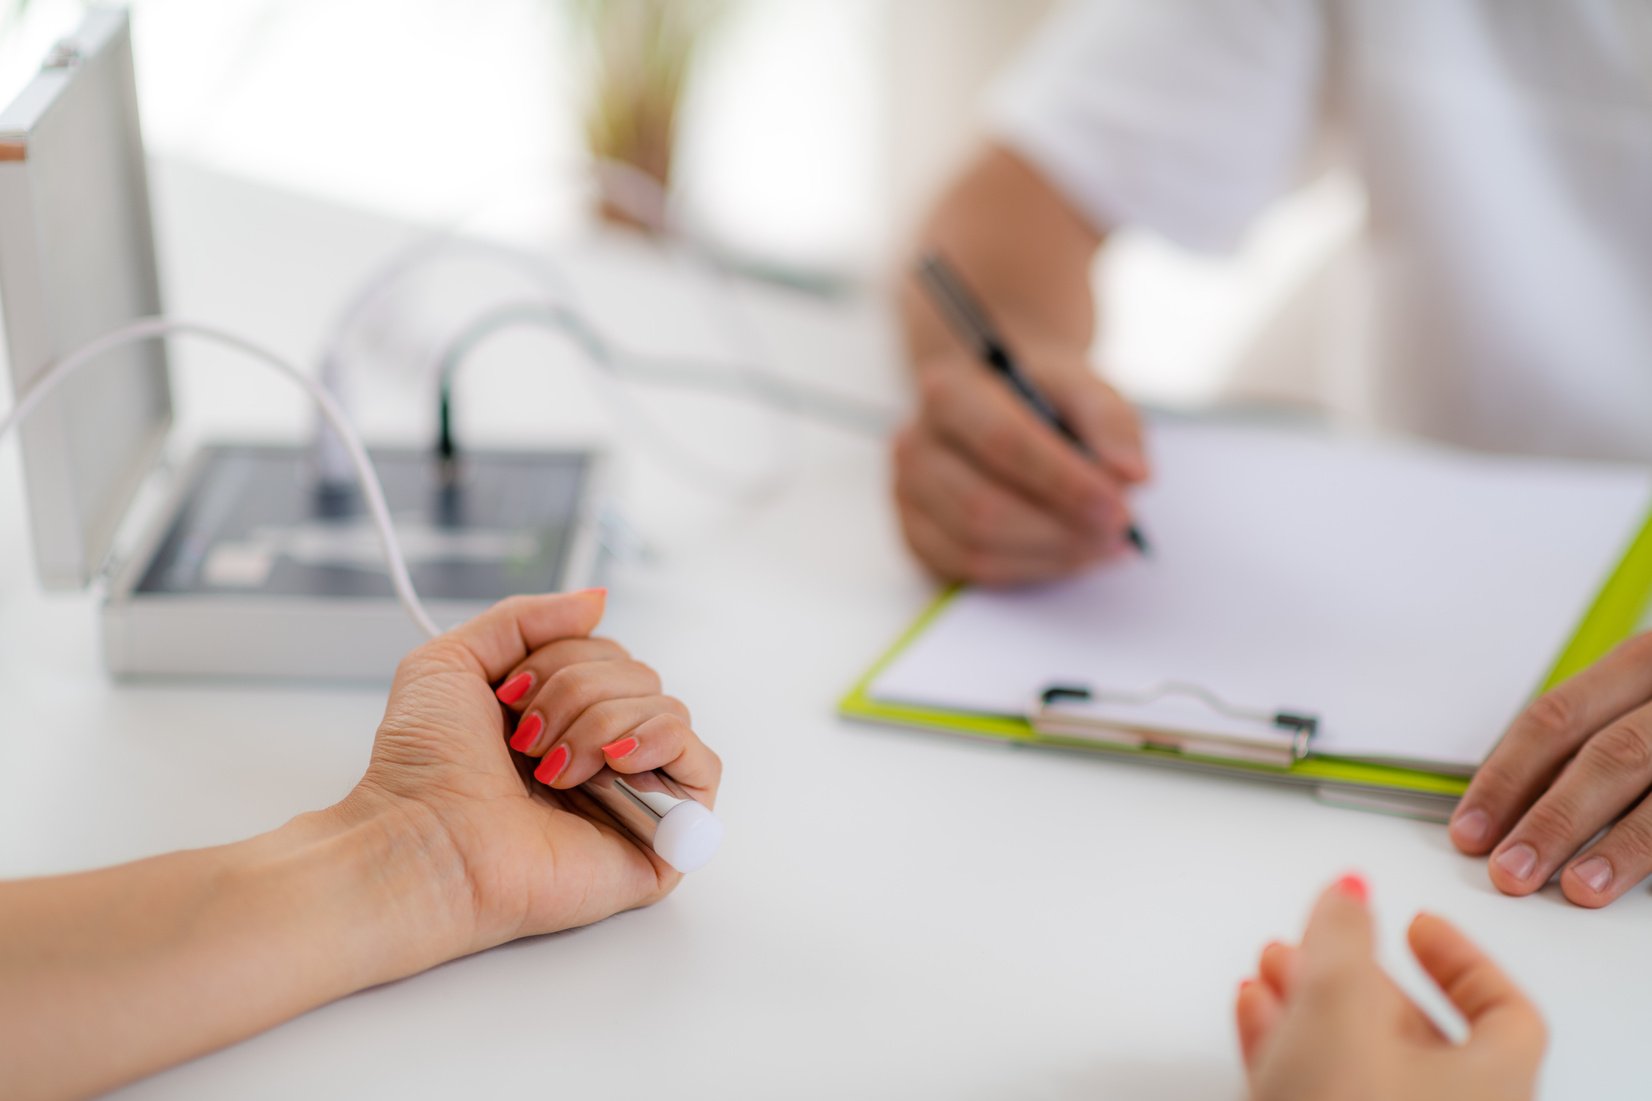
(1016, 467)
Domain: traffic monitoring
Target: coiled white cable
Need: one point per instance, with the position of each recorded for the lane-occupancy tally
(158, 327)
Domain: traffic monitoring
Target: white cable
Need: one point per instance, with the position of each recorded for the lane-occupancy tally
(153, 328)
(631, 190)
(641, 197)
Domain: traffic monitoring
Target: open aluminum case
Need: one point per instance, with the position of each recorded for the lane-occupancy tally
(250, 568)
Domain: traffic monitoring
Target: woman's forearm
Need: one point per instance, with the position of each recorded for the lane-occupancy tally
(1022, 248)
(109, 975)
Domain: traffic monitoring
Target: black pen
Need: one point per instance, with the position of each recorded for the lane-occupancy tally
(969, 322)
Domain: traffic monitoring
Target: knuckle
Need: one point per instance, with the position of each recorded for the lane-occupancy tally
(1622, 748)
(1638, 649)
(1552, 715)
(1324, 987)
(613, 647)
(1494, 784)
(1475, 986)
(1004, 438)
(516, 605)
(603, 721)
(983, 513)
(571, 683)
(984, 567)
(937, 392)
(930, 551)
(1082, 553)
(1632, 838)
(441, 652)
(1537, 1029)
(905, 447)
(714, 765)
(1552, 819)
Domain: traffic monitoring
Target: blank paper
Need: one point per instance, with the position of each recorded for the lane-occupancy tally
(1413, 598)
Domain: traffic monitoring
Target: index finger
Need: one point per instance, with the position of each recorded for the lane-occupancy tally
(983, 419)
(1338, 946)
(1544, 738)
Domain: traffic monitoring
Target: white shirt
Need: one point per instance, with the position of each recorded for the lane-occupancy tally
(1505, 147)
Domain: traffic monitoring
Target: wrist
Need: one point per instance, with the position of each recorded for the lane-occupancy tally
(389, 878)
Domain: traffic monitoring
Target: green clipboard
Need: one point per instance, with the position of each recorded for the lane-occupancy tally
(1614, 614)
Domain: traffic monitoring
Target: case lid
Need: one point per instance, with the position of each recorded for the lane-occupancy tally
(77, 259)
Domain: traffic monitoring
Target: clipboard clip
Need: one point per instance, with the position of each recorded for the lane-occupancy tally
(1176, 716)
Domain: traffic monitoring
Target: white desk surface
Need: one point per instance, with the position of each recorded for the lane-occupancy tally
(894, 915)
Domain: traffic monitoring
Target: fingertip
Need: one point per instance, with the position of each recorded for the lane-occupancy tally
(1339, 930)
(1471, 830)
(1583, 887)
(553, 766)
(1513, 870)
(1426, 930)
(514, 690)
(1353, 885)
(1255, 1011)
(1277, 966)
(1127, 463)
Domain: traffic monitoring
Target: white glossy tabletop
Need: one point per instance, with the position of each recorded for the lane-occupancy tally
(893, 915)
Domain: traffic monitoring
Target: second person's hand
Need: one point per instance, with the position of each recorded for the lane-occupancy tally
(988, 493)
(1323, 1022)
(1578, 761)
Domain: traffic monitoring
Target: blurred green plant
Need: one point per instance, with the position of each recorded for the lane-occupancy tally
(640, 53)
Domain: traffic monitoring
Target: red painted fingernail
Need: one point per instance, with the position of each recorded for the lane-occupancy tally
(527, 732)
(553, 764)
(515, 688)
(622, 748)
(1354, 886)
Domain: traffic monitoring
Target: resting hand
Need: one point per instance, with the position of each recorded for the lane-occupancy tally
(1324, 1022)
(989, 493)
(531, 858)
(1579, 760)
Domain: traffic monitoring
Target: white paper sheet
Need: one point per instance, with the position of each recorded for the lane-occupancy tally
(1411, 598)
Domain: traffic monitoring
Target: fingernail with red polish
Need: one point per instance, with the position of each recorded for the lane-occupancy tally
(1354, 886)
(553, 764)
(527, 732)
(622, 748)
(515, 688)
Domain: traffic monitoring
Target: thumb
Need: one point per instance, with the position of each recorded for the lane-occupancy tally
(1338, 945)
(1104, 420)
(1495, 1009)
(502, 637)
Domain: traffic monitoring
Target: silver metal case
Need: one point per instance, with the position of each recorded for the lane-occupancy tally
(77, 259)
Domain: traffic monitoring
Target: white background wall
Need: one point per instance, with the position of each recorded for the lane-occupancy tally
(815, 131)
